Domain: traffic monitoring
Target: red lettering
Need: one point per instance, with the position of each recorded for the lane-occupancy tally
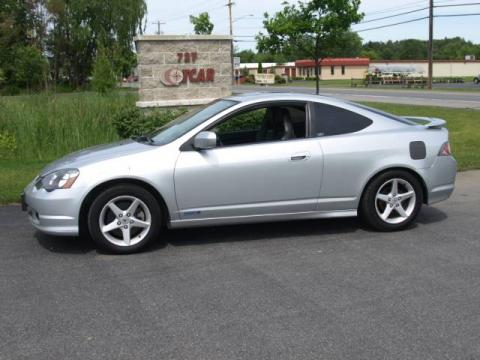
(194, 56)
(179, 57)
(187, 57)
(201, 75)
(210, 74)
(186, 75)
(191, 75)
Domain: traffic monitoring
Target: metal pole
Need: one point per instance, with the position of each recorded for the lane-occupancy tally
(430, 46)
(230, 4)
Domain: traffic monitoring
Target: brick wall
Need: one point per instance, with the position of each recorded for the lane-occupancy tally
(183, 70)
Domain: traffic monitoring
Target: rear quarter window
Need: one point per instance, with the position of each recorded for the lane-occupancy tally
(331, 120)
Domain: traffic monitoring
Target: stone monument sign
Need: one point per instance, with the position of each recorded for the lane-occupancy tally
(183, 70)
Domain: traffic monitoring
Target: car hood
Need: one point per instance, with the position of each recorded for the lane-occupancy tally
(97, 153)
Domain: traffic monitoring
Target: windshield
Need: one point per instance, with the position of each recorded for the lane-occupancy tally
(183, 124)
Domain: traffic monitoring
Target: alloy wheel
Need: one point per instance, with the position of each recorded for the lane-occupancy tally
(395, 201)
(125, 220)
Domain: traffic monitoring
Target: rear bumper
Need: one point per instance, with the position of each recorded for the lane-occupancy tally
(440, 179)
(54, 213)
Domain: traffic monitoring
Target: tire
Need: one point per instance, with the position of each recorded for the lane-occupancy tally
(476, 81)
(129, 215)
(385, 209)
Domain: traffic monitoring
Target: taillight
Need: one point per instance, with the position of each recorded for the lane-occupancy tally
(445, 150)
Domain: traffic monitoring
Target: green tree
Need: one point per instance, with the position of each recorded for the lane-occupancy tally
(202, 24)
(30, 67)
(259, 68)
(79, 27)
(103, 76)
(246, 56)
(348, 44)
(308, 27)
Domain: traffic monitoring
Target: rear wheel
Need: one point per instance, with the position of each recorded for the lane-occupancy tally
(392, 201)
(124, 218)
(476, 80)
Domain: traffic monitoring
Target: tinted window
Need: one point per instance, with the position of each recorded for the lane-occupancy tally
(276, 122)
(332, 120)
(387, 115)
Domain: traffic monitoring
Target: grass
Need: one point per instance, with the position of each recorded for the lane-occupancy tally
(15, 175)
(46, 127)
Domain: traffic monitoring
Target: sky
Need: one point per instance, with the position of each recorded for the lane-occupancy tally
(248, 15)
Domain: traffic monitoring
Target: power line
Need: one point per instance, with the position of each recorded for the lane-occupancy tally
(451, 5)
(416, 10)
(414, 20)
(396, 8)
(455, 15)
(395, 24)
(391, 16)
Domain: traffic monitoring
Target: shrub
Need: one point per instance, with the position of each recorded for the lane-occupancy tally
(132, 121)
(103, 75)
(250, 79)
(8, 145)
(280, 79)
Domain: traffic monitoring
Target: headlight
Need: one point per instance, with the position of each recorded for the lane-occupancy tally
(60, 179)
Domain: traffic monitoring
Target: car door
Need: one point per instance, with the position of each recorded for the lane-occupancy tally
(255, 171)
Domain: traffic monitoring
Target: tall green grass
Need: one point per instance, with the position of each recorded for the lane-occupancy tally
(46, 126)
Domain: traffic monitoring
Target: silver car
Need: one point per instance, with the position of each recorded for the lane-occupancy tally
(248, 158)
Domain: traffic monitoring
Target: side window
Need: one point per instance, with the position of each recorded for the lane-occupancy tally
(269, 123)
(331, 120)
(247, 121)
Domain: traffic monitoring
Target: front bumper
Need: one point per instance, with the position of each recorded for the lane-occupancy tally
(54, 213)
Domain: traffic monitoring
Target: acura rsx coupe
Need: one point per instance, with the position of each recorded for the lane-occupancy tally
(248, 158)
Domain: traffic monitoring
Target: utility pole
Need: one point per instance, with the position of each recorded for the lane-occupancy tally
(430, 46)
(159, 23)
(230, 4)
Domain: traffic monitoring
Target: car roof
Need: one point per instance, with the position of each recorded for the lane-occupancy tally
(254, 97)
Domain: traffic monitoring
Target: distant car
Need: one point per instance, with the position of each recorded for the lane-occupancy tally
(476, 79)
(248, 158)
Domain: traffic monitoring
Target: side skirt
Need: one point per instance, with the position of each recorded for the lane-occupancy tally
(230, 220)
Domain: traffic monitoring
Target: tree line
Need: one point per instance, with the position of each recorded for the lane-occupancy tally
(61, 42)
(351, 45)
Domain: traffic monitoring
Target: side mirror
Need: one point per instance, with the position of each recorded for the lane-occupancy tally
(205, 140)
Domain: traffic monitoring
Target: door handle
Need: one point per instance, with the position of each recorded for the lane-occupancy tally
(300, 157)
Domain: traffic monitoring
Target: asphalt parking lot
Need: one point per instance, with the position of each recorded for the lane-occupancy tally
(292, 290)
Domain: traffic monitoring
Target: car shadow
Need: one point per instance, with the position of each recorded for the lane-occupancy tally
(234, 233)
(260, 231)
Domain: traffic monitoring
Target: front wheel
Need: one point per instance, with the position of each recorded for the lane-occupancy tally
(124, 218)
(392, 201)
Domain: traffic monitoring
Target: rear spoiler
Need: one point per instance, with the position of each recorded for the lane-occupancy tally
(428, 122)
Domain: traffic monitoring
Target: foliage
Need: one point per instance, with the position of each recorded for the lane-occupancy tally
(132, 121)
(68, 34)
(30, 67)
(260, 68)
(280, 79)
(47, 126)
(103, 76)
(412, 49)
(202, 24)
(8, 145)
(309, 28)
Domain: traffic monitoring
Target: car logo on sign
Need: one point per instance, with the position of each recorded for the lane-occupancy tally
(172, 77)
